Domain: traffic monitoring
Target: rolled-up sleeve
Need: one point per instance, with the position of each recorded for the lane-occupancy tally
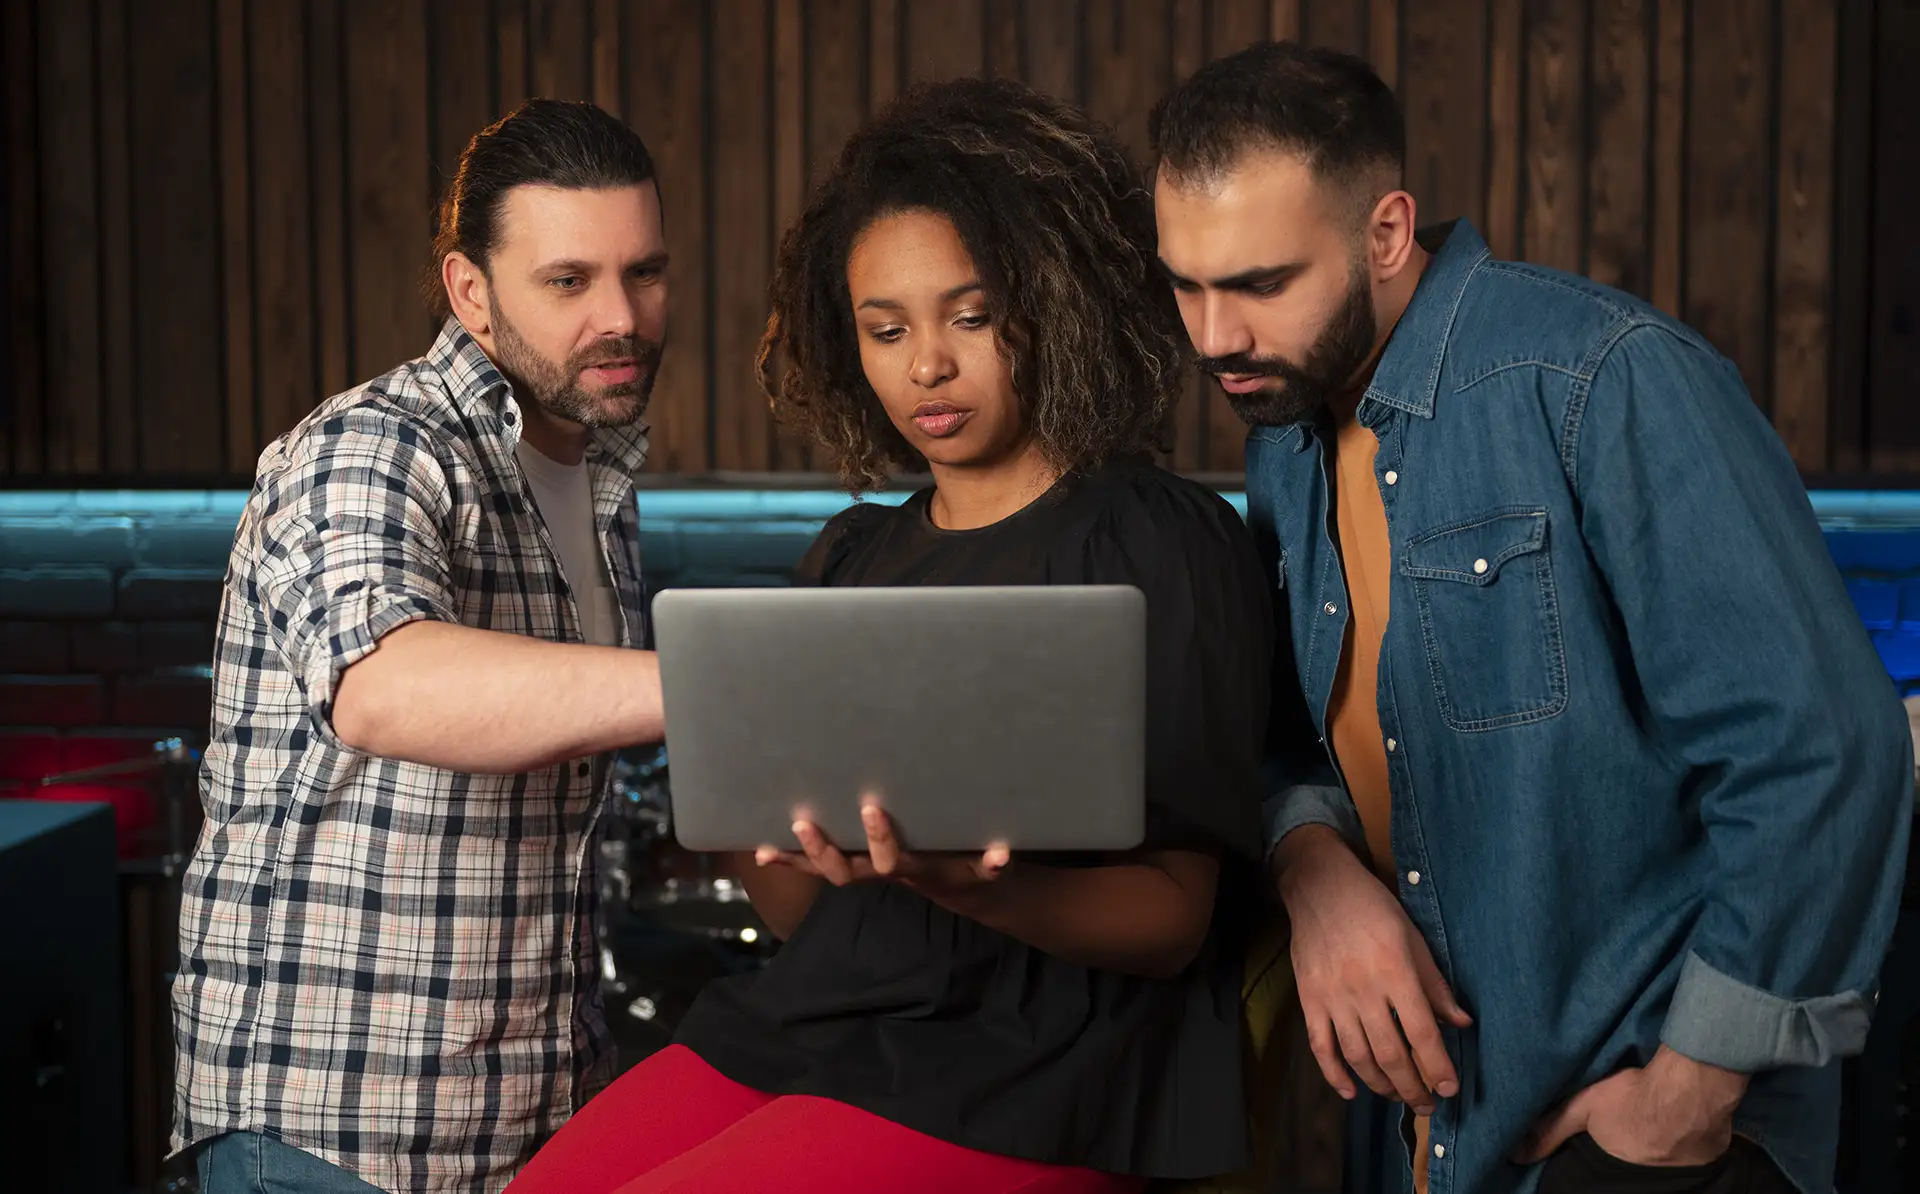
(351, 546)
(1757, 673)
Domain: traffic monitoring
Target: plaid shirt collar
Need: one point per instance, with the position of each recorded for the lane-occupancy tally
(477, 388)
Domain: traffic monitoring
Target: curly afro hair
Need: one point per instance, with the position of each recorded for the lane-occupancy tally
(1059, 224)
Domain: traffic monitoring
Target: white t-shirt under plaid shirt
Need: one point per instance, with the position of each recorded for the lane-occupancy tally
(389, 965)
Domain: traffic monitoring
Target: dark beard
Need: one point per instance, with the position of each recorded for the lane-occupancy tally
(557, 388)
(1300, 391)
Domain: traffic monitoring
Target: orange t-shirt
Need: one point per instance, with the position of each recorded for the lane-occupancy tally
(1353, 714)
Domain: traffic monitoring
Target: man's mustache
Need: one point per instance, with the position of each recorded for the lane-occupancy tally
(644, 353)
(1245, 364)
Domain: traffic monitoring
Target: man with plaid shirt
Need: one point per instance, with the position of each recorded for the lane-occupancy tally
(387, 971)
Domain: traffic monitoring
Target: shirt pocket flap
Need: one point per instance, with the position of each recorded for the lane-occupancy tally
(1473, 552)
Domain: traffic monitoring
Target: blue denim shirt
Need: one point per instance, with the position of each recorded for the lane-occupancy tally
(1650, 782)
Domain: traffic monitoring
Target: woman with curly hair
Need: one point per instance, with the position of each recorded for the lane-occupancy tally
(973, 290)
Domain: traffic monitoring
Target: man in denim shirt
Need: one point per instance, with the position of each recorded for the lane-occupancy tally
(1621, 772)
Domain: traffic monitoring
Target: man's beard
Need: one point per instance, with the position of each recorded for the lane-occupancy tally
(557, 388)
(1300, 391)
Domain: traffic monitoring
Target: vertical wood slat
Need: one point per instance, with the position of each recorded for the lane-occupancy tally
(1668, 265)
(884, 34)
(1621, 104)
(1852, 255)
(513, 62)
(1336, 24)
(742, 223)
(1129, 65)
(236, 227)
(789, 185)
(283, 224)
(1235, 25)
(945, 40)
(559, 50)
(1502, 206)
(1893, 358)
(1052, 36)
(1005, 56)
(70, 229)
(1554, 215)
(1283, 20)
(176, 295)
(1728, 183)
(607, 39)
(665, 103)
(462, 105)
(121, 447)
(328, 168)
(1189, 426)
(389, 192)
(26, 391)
(1803, 230)
(1444, 89)
(1383, 40)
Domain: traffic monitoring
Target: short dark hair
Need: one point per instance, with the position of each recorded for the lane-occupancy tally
(558, 143)
(1328, 107)
(1059, 223)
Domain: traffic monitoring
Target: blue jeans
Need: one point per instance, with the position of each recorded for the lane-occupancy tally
(249, 1163)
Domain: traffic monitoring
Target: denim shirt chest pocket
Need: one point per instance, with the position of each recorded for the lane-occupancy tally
(1489, 618)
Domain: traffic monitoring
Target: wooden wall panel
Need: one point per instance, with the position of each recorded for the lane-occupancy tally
(1729, 195)
(218, 211)
(1620, 107)
(1554, 211)
(236, 229)
(71, 232)
(1893, 360)
(389, 188)
(327, 149)
(1444, 71)
(666, 99)
(742, 232)
(121, 445)
(21, 438)
(283, 257)
(945, 40)
(1803, 229)
(179, 391)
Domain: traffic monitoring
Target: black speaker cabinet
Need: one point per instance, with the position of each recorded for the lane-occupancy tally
(61, 1063)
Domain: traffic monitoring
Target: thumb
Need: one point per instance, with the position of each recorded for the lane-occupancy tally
(1555, 1130)
(1439, 994)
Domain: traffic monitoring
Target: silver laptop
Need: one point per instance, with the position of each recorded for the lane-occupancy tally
(974, 714)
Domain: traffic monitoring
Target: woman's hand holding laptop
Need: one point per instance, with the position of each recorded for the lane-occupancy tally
(932, 874)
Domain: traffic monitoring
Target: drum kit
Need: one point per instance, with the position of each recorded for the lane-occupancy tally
(671, 919)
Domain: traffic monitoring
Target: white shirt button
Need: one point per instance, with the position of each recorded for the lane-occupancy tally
(1392, 746)
(1332, 609)
(1413, 878)
(1393, 478)
(1439, 1150)
(1480, 566)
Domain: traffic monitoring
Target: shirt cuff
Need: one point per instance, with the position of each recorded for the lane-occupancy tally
(349, 630)
(1724, 1022)
(1299, 805)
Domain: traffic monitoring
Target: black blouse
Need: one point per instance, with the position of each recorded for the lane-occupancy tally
(888, 1002)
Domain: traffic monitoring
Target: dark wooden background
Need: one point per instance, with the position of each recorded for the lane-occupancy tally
(217, 211)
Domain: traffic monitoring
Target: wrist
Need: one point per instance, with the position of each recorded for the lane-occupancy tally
(1707, 1090)
(1304, 854)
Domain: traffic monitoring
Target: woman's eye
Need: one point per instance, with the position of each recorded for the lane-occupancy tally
(973, 322)
(887, 335)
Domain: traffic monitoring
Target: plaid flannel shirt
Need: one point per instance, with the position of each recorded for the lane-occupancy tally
(389, 965)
